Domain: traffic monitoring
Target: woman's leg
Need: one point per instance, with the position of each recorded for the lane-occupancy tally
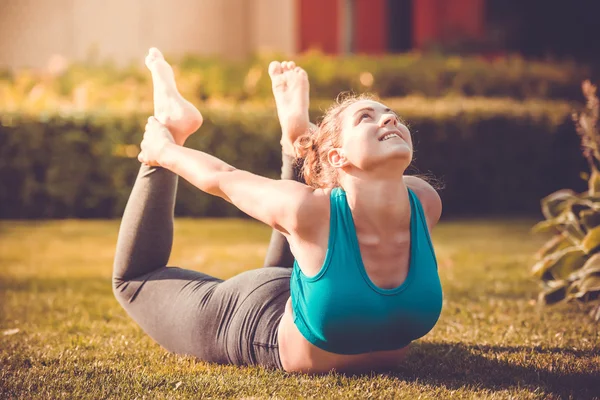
(278, 252)
(291, 91)
(170, 304)
(188, 312)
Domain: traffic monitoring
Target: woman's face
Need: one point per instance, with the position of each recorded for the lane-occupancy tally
(373, 137)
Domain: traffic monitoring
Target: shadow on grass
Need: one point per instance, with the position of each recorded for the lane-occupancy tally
(456, 366)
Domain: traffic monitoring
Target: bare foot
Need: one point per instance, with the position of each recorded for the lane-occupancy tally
(170, 108)
(290, 88)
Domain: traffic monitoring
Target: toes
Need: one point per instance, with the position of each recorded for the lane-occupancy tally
(288, 65)
(300, 71)
(155, 53)
(275, 68)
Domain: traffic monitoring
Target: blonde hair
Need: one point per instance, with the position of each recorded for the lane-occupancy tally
(315, 145)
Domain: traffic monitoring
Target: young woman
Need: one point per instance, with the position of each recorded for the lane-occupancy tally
(362, 282)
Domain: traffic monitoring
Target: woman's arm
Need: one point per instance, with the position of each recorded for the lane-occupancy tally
(280, 204)
(285, 205)
(429, 197)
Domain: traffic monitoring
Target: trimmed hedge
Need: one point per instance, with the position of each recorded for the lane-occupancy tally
(493, 157)
(96, 87)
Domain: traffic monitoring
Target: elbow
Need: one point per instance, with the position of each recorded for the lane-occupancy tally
(216, 182)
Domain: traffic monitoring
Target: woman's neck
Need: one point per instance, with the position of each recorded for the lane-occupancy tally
(379, 207)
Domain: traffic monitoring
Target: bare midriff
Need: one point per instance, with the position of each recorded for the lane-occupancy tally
(299, 355)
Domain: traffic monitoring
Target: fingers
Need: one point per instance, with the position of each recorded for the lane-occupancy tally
(151, 122)
(156, 135)
(154, 127)
(142, 156)
(144, 160)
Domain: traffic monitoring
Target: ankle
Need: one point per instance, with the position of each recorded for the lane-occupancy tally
(287, 147)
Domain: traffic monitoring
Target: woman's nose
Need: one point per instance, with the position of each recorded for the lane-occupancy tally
(389, 119)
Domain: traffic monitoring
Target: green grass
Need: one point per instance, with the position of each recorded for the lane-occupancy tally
(75, 341)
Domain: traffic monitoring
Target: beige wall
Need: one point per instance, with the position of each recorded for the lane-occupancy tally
(275, 25)
(122, 30)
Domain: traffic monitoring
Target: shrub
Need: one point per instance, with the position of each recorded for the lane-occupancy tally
(494, 156)
(569, 264)
(83, 87)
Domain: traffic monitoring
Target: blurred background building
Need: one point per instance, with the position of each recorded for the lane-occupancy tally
(476, 70)
(122, 30)
(31, 31)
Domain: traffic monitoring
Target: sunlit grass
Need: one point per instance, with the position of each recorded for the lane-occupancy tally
(74, 340)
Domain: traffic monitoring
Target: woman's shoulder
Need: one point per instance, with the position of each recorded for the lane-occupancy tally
(428, 197)
(314, 211)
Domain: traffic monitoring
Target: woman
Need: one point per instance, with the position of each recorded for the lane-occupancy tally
(362, 282)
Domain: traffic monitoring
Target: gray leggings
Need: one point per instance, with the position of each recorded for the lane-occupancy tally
(231, 321)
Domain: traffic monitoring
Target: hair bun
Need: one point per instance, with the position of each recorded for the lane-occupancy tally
(305, 143)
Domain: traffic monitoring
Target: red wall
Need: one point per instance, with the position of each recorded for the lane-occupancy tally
(467, 16)
(318, 23)
(370, 24)
(425, 21)
(435, 20)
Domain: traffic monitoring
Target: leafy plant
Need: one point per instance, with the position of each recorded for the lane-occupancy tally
(569, 264)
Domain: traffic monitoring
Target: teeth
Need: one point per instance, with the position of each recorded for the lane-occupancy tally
(389, 136)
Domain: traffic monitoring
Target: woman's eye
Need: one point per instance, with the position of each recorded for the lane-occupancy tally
(363, 116)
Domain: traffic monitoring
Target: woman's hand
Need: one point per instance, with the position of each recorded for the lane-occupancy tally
(156, 138)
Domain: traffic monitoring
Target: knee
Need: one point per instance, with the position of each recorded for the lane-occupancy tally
(121, 290)
(117, 285)
(121, 282)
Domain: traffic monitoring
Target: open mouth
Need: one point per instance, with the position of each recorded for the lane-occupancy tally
(389, 136)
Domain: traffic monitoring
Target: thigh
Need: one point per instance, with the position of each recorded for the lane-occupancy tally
(175, 307)
(251, 334)
(189, 312)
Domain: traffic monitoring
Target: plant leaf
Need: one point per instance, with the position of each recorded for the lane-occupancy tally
(591, 241)
(595, 313)
(554, 204)
(560, 264)
(550, 225)
(572, 227)
(555, 294)
(566, 222)
(594, 183)
(558, 242)
(591, 283)
(591, 266)
(589, 288)
(590, 218)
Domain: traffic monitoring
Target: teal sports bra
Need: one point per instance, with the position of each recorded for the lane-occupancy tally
(340, 310)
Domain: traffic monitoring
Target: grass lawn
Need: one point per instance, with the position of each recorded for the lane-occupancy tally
(63, 334)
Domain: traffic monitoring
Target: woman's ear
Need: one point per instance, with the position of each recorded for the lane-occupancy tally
(337, 158)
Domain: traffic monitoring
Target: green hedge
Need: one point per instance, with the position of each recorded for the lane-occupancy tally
(91, 86)
(493, 158)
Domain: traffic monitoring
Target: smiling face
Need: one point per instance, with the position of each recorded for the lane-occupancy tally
(373, 138)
